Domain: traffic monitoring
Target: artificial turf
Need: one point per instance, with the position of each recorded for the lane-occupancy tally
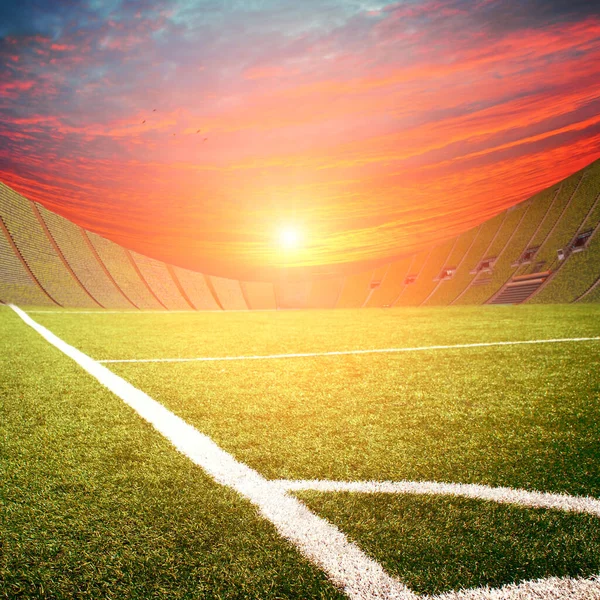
(95, 504)
(438, 544)
(521, 416)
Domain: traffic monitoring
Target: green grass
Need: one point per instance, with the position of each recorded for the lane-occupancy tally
(441, 544)
(99, 504)
(95, 504)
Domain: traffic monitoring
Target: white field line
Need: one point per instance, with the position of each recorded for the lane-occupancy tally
(346, 565)
(503, 495)
(326, 546)
(349, 352)
(133, 311)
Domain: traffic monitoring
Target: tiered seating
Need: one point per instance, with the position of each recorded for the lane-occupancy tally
(391, 284)
(324, 293)
(292, 294)
(581, 267)
(482, 288)
(520, 288)
(38, 252)
(574, 212)
(196, 289)
(355, 290)
(259, 295)
(454, 261)
(16, 285)
(449, 290)
(119, 266)
(82, 261)
(413, 275)
(376, 280)
(157, 276)
(548, 225)
(416, 293)
(229, 293)
(592, 294)
(508, 264)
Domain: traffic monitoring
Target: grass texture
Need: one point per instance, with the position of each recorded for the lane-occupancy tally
(95, 503)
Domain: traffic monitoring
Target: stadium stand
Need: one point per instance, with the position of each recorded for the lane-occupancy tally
(375, 283)
(577, 271)
(414, 273)
(545, 249)
(118, 264)
(391, 284)
(480, 289)
(38, 251)
(520, 288)
(427, 280)
(292, 294)
(228, 292)
(464, 242)
(84, 264)
(17, 283)
(355, 290)
(325, 293)
(196, 289)
(451, 289)
(259, 295)
(161, 283)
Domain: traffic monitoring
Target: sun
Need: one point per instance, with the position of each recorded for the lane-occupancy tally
(289, 238)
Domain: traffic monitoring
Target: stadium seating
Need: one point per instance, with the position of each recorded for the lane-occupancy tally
(580, 269)
(482, 287)
(391, 284)
(17, 285)
(228, 293)
(414, 273)
(545, 249)
(118, 264)
(355, 290)
(520, 288)
(292, 294)
(161, 283)
(196, 289)
(416, 293)
(259, 295)
(451, 289)
(454, 262)
(38, 251)
(325, 293)
(70, 239)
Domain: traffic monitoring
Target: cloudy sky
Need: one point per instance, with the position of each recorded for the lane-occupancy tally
(194, 130)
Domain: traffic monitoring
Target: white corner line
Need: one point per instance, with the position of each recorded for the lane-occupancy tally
(347, 566)
(502, 495)
(349, 352)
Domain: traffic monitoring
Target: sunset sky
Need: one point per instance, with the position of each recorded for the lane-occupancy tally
(196, 131)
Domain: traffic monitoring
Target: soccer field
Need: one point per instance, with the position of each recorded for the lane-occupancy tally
(325, 410)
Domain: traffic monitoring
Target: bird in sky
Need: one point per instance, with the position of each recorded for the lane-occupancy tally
(143, 121)
(199, 130)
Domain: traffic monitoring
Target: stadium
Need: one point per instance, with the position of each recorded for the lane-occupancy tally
(410, 417)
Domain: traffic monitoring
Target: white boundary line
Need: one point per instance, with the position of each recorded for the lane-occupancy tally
(502, 495)
(349, 352)
(142, 311)
(326, 546)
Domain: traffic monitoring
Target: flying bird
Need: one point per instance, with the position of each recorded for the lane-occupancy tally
(199, 130)
(153, 110)
(143, 121)
(204, 139)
